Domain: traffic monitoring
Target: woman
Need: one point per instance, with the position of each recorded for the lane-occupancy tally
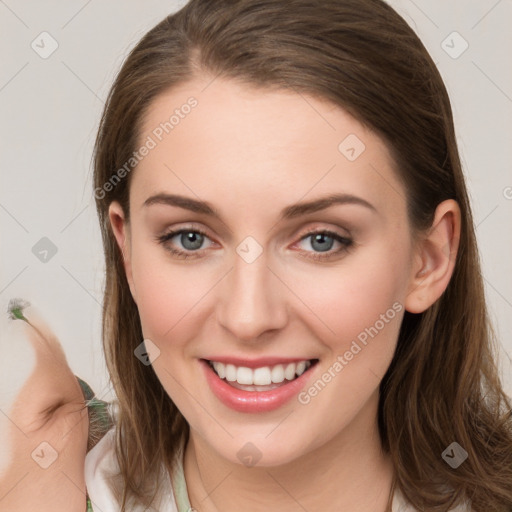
(294, 314)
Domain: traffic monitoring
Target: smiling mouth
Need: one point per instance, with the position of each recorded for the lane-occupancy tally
(264, 378)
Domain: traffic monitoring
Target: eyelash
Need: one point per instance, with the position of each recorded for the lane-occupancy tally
(346, 243)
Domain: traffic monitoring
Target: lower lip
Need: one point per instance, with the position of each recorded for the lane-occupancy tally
(253, 401)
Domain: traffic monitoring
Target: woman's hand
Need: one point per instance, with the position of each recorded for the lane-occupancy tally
(43, 420)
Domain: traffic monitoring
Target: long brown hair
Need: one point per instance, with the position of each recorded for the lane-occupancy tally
(443, 384)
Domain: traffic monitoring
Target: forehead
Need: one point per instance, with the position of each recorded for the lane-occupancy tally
(231, 143)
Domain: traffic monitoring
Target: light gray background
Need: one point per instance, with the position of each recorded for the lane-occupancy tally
(50, 112)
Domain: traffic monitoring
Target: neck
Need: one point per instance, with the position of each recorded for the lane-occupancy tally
(350, 472)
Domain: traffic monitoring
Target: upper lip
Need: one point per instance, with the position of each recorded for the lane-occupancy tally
(257, 363)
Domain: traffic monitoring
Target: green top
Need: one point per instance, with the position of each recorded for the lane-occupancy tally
(179, 488)
(100, 421)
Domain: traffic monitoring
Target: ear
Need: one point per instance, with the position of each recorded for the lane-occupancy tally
(435, 257)
(121, 230)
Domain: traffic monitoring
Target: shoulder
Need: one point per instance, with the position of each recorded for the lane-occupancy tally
(101, 468)
(102, 473)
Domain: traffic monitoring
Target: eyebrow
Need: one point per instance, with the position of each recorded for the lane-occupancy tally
(290, 212)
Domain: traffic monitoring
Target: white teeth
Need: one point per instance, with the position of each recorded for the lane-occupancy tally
(263, 376)
(244, 375)
(230, 372)
(220, 369)
(289, 371)
(301, 367)
(277, 374)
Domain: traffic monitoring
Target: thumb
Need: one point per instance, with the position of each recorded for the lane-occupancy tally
(35, 378)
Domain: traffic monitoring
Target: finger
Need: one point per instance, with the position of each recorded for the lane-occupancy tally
(42, 412)
(43, 381)
(17, 363)
(40, 334)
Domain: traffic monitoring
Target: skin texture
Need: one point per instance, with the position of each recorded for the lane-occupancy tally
(250, 153)
(48, 407)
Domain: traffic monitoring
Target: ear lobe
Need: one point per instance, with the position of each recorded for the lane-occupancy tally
(121, 230)
(435, 259)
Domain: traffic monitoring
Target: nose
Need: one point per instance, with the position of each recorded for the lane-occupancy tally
(252, 300)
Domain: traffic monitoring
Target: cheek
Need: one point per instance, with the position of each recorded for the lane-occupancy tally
(168, 292)
(352, 296)
(363, 308)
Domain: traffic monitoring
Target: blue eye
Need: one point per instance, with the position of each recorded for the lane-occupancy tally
(323, 241)
(192, 240)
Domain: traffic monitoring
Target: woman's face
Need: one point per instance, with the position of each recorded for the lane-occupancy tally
(253, 293)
